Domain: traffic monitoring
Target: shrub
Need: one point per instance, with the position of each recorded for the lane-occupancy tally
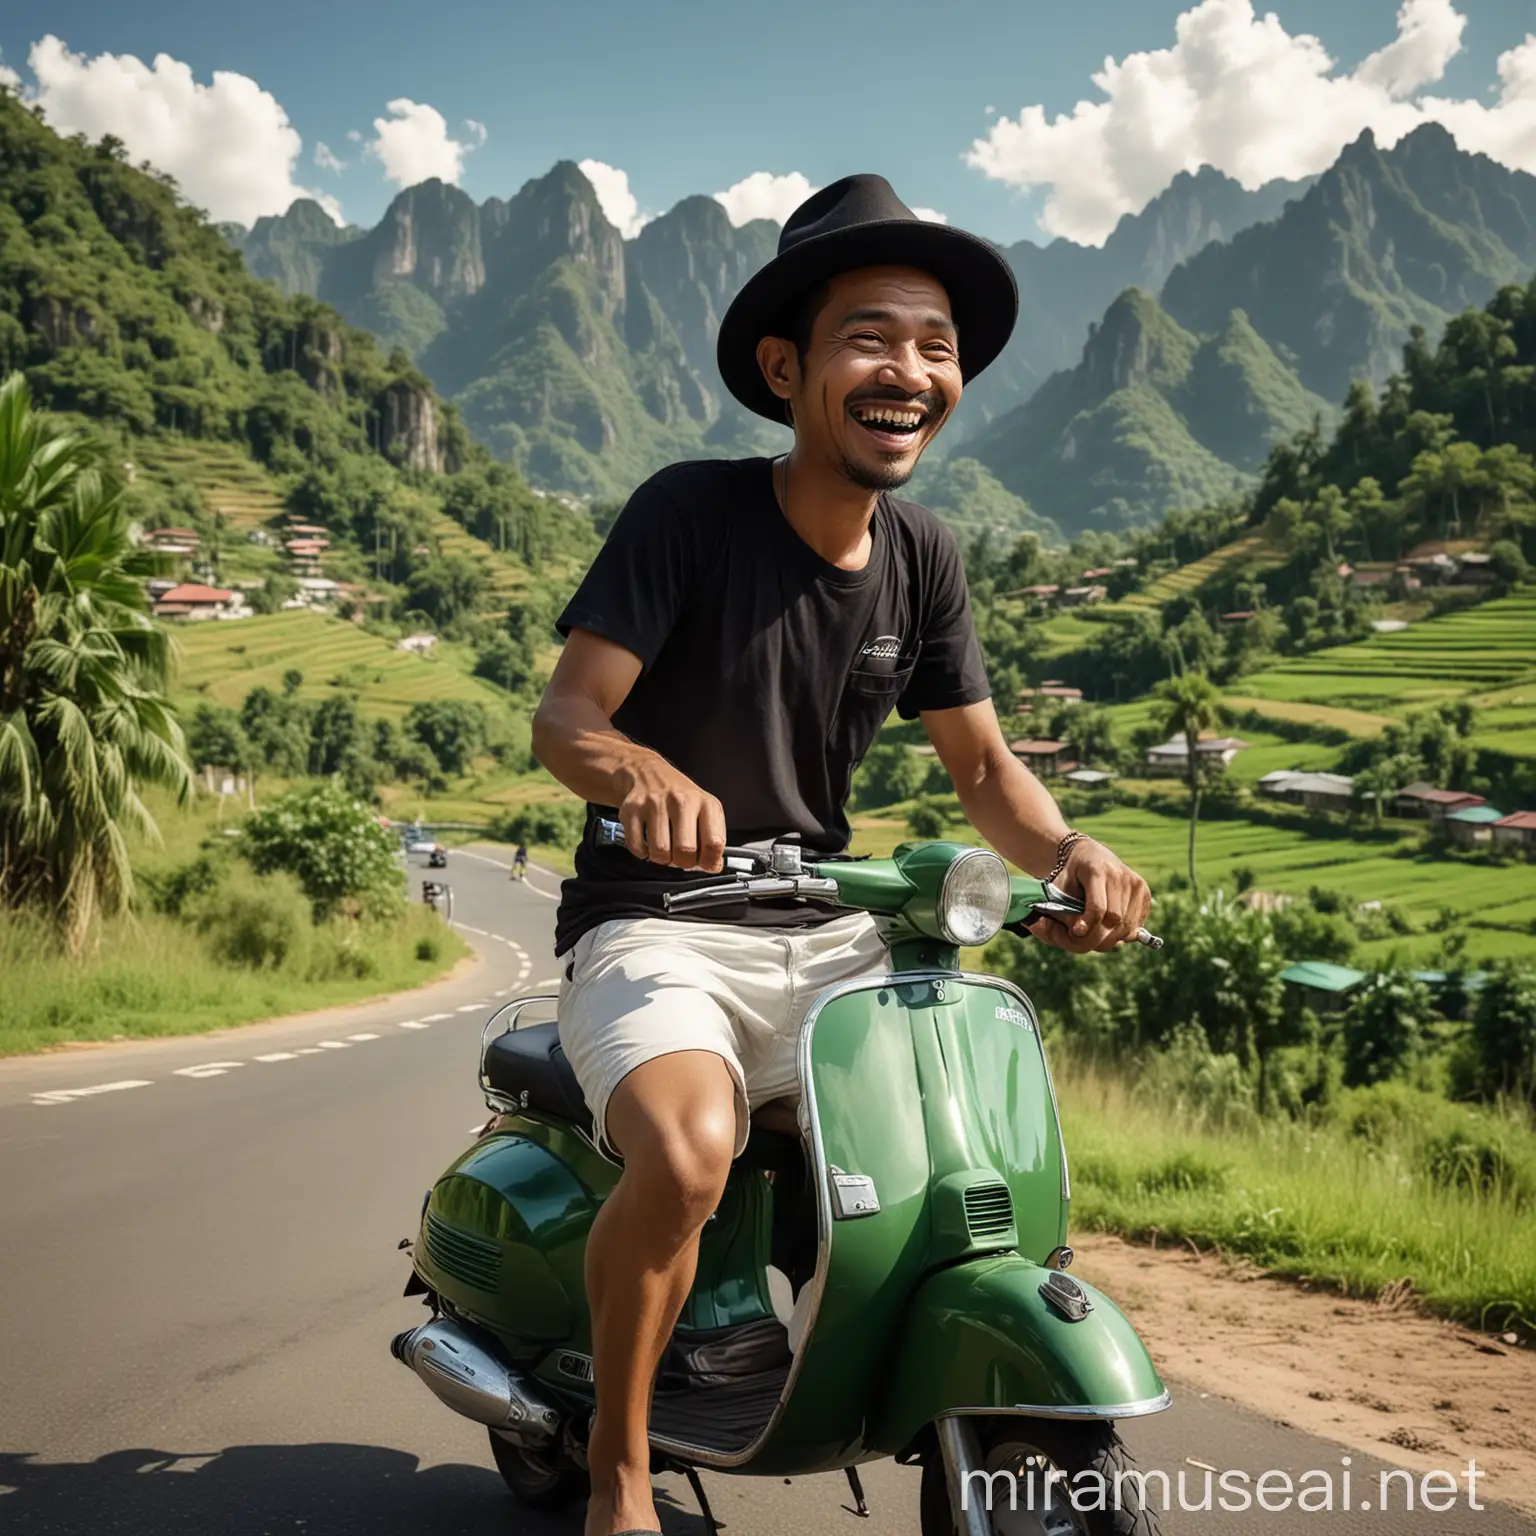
(342, 857)
(258, 922)
(554, 823)
(926, 820)
(428, 947)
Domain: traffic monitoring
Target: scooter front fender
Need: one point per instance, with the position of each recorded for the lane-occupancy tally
(981, 1338)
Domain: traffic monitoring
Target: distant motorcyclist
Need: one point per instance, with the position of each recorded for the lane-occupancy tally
(520, 862)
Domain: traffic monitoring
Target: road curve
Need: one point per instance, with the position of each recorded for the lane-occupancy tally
(200, 1276)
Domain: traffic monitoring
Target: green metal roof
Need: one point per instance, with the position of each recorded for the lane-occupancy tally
(1323, 975)
(1478, 815)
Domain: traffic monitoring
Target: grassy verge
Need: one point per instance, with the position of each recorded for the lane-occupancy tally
(155, 976)
(1305, 1202)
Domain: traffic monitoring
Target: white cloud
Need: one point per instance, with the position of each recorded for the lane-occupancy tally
(229, 144)
(413, 144)
(619, 204)
(9, 78)
(1238, 92)
(477, 130)
(327, 159)
(931, 215)
(354, 135)
(762, 195)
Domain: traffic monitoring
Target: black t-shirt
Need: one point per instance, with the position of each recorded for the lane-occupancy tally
(766, 670)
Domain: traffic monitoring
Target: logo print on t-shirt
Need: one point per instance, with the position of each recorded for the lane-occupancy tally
(880, 655)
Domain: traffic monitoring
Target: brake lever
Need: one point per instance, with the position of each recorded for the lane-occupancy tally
(812, 887)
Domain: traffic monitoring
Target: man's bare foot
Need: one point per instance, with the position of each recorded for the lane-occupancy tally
(624, 1504)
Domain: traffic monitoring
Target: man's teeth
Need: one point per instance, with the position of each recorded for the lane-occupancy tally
(889, 416)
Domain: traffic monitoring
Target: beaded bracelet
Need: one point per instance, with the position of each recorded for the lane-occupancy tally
(1064, 852)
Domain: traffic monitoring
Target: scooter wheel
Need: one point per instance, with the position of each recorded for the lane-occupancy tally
(546, 1480)
(1059, 1445)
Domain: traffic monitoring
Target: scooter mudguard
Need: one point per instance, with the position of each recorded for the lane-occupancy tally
(989, 1337)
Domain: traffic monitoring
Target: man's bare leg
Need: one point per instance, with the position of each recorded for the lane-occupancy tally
(674, 1121)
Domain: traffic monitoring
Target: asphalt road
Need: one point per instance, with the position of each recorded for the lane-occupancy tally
(200, 1278)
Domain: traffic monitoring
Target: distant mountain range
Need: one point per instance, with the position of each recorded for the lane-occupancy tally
(589, 359)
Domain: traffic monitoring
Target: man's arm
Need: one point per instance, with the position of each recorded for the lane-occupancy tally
(667, 817)
(1015, 813)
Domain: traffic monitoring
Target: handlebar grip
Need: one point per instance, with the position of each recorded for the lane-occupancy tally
(609, 834)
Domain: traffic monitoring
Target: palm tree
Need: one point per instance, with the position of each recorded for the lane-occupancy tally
(84, 721)
(1188, 705)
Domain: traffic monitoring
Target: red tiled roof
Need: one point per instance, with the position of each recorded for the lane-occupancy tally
(191, 592)
(1440, 796)
(1525, 821)
(1038, 748)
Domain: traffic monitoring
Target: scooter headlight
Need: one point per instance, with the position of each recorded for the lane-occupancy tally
(973, 901)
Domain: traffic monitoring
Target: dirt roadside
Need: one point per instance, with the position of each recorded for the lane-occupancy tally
(1412, 1390)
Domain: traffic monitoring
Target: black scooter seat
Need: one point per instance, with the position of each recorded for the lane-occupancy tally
(528, 1067)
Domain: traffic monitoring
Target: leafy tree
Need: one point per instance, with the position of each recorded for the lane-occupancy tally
(451, 729)
(338, 742)
(1384, 1024)
(503, 660)
(1504, 1031)
(84, 721)
(278, 727)
(555, 824)
(343, 857)
(447, 588)
(1091, 734)
(890, 772)
(1507, 561)
(216, 738)
(293, 680)
(1189, 705)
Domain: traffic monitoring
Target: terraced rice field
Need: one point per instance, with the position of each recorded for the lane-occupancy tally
(222, 662)
(1487, 654)
(1489, 900)
(231, 483)
(1355, 721)
(1254, 549)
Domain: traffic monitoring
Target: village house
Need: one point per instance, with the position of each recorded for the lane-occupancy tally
(420, 645)
(1426, 800)
(1519, 829)
(1078, 597)
(1321, 985)
(1044, 758)
(1472, 825)
(1050, 693)
(182, 542)
(1172, 757)
(1476, 570)
(1088, 778)
(1314, 791)
(192, 601)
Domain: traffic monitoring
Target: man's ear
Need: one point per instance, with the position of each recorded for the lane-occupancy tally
(780, 364)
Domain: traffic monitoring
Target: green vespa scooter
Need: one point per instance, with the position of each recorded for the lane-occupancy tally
(890, 1283)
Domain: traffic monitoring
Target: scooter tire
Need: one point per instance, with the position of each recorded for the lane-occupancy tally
(538, 1482)
(1071, 1448)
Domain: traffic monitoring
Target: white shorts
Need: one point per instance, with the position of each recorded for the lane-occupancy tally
(638, 988)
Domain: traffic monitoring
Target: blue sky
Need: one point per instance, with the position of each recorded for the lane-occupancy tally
(692, 97)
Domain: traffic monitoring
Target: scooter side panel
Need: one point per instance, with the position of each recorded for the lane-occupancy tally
(981, 1338)
(503, 1236)
(867, 1101)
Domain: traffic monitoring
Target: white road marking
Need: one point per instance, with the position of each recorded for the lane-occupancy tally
(65, 1095)
(549, 981)
(209, 1069)
(470, 1008)
(309, 1050)
(468, 928)
(503, 991)
(334, 1045)
(362, 1037)
(434, 1018)
(413, 1024)
(278, 1056)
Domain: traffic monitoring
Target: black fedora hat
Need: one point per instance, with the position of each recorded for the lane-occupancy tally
(860, 222)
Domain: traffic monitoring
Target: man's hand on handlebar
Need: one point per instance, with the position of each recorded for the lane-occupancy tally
(669, 820)
(1116, 902)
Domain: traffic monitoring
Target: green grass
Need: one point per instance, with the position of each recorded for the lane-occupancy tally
(222, 662)
(152, 976)
(1304, 1202)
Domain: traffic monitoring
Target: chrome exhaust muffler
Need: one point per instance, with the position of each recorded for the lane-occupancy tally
(462, 1369)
